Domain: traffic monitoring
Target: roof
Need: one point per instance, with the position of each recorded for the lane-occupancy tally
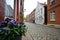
(42, 3)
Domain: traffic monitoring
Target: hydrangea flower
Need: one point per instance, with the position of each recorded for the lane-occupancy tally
(7, 32)
(7, 20)
(2, 24)
(11, 25)
(14, 22)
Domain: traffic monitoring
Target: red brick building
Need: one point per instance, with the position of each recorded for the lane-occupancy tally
(53, 11)
(31, 17)
(27, 18)
(2, 10)
(18, 7)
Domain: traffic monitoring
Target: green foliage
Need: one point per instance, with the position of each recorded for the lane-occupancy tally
(22, 17)
(16, 31)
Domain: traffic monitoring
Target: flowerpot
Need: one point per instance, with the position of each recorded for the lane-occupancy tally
(18, 38)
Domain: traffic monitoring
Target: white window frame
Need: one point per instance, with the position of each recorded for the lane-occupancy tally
(52, 16)
(52, 1)
(41, 11)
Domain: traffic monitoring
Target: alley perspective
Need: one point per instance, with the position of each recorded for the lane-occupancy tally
(29, 19)
(41, 32)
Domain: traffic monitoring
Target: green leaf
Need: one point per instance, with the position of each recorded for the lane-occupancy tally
(16, 26)
(16, 32)
(6, 28)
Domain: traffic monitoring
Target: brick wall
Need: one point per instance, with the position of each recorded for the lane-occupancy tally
(56, 8)
(32, 16)
(2, 10)
(18, 10)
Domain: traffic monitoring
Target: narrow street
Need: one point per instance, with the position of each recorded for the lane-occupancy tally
(40, 32)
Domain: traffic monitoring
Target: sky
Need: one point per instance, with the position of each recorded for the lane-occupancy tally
(29, 5)
(10, 2)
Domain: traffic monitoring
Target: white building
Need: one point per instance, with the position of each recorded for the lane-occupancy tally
(9, 11)
(40, 13)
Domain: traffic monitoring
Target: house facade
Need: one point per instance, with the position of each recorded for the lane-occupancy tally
(27, 18)
(31, 17)
(9, 12)
(18, 8)
(41, 13)
(53, 11)
(2, 10)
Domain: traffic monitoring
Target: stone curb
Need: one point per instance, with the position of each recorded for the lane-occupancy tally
(53, 26)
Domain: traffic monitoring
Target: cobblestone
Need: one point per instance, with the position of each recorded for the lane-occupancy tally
(40, 32)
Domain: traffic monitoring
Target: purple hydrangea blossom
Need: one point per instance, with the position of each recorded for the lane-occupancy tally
(2, 24)
(7, 20)
(14, 22)
(7, 32)
(11, 25)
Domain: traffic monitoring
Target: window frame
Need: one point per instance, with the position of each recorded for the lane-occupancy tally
(52, 16)
(52, 2)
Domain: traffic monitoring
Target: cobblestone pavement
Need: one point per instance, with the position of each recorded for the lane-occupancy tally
(40, 32)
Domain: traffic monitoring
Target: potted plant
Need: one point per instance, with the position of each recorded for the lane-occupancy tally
(11, 30)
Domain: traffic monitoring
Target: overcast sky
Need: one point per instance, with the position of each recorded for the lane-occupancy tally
(29, 5)
(10, 2)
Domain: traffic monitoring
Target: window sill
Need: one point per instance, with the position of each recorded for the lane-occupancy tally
(52, 20)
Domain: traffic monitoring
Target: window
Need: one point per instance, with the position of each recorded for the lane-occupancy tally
(52, 1)
(52, 16)
(40, 18)
(41, 10)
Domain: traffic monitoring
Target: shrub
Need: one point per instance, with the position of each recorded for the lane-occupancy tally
(11, 29)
